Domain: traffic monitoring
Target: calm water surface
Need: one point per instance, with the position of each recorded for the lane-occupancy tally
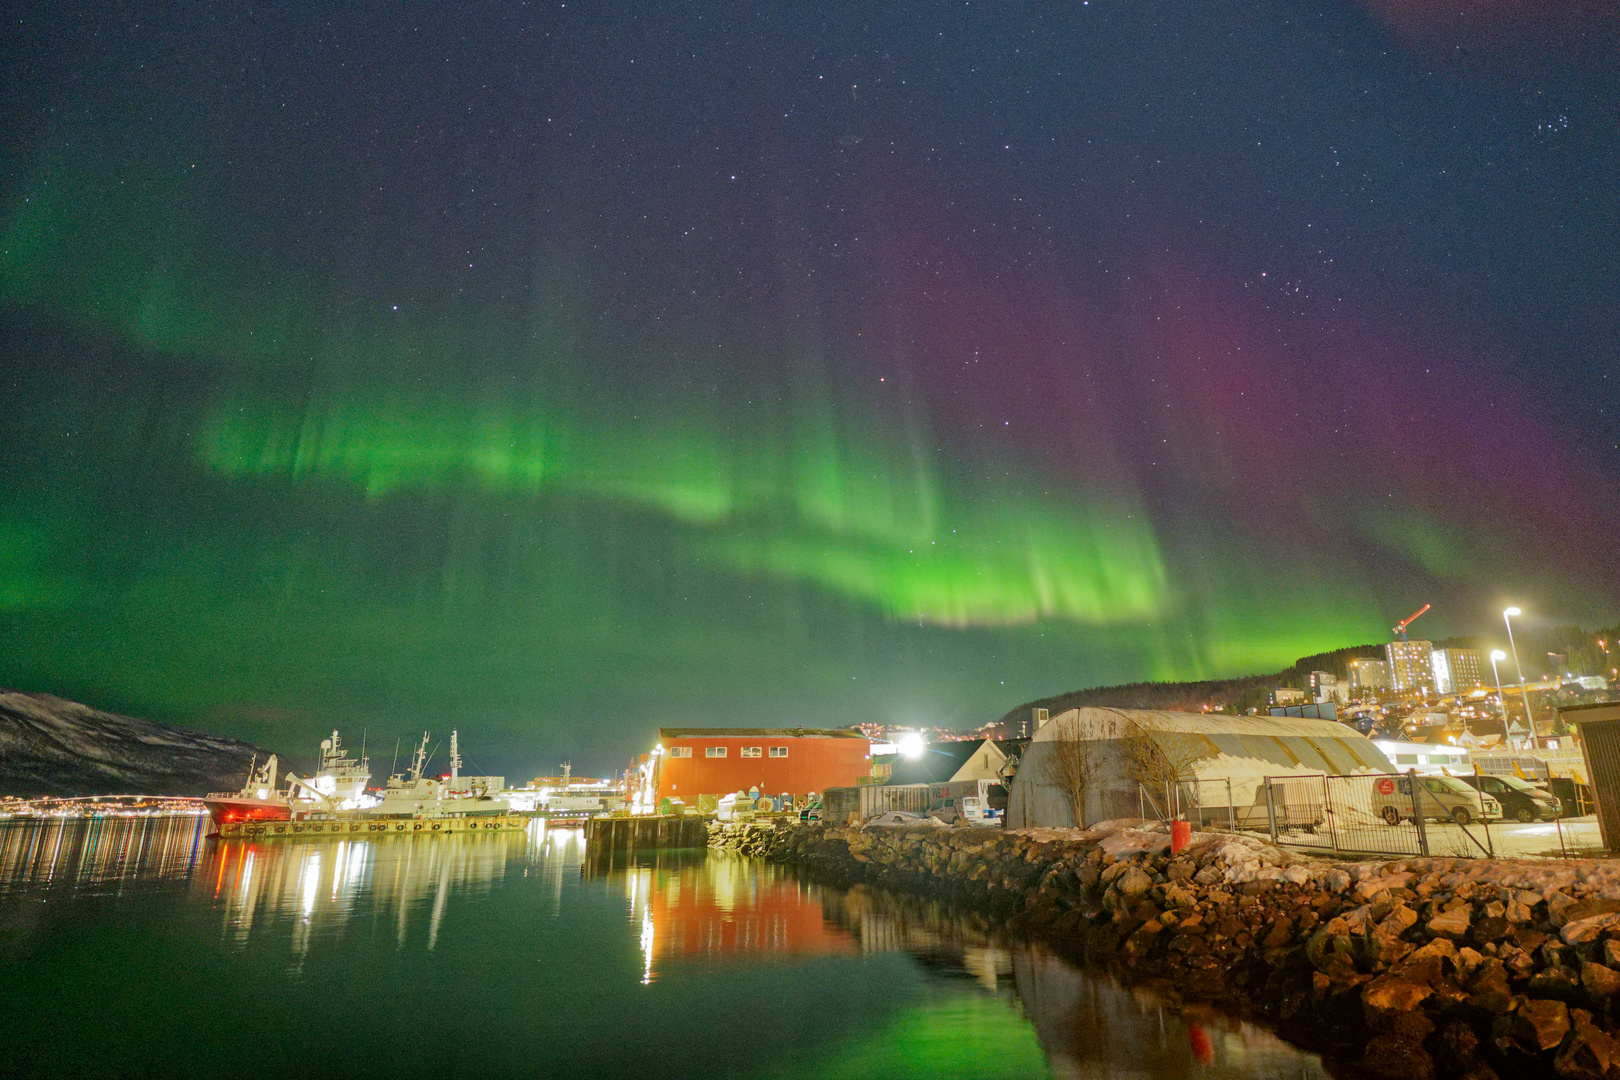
(141, 948)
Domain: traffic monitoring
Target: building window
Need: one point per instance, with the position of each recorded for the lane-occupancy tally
(750, 751)
(778, 751)
(680, 751)
(714, 751)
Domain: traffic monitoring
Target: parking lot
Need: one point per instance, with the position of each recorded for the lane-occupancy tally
(1538, 839)
(1572, 837)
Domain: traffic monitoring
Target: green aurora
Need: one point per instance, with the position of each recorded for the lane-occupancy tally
(276, 466)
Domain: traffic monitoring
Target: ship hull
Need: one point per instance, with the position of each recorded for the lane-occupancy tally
(361, 828)
(233, 810)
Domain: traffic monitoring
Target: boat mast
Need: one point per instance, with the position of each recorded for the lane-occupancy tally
(419, 759)
(455, 760)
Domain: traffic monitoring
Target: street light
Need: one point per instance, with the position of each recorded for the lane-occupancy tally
(1501, 699)
(1529, 717)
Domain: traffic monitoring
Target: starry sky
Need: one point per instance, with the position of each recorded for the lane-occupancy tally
(560, 371)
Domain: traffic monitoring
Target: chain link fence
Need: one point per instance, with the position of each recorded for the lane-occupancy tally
(1368, 814)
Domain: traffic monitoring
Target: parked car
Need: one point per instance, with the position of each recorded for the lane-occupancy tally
(901, 817)
(812, 812)
(1520, 800)
(1443, 798)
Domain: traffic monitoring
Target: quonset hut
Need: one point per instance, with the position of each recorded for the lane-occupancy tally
(1227, 759)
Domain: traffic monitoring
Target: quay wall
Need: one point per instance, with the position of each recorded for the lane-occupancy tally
(1414, 968)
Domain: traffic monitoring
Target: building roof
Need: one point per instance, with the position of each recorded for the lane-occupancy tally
(1594, 707)
(757, 733)
(938, 763)
(1305, 744)
(1236, 755)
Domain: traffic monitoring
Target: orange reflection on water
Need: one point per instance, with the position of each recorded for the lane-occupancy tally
(727, 907)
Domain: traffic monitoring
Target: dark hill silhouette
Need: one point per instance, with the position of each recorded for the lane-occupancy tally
(49, 746)
(1241, 693)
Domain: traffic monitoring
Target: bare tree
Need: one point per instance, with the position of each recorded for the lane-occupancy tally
(1162, 760)
(1072, 766)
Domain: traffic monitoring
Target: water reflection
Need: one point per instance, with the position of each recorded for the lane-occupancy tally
(512, 925)
(726, 907)
(96, 852)
(405, 880)
(1089, 1025)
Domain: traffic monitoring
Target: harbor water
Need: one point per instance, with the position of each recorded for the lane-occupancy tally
(139, 947)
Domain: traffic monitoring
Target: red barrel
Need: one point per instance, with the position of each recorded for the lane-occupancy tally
(1180, 835)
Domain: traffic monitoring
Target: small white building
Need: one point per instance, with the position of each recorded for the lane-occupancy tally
(1234, 755)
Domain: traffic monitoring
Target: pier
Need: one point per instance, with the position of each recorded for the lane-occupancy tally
(662, 832)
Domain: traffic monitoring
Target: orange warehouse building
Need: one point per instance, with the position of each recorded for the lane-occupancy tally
(793, 761)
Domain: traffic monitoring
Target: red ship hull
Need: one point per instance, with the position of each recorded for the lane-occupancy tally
(235, 808)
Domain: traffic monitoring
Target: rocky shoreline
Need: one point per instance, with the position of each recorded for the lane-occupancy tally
(1412, 967)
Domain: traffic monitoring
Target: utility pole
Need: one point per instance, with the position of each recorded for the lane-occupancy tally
(1529, 717)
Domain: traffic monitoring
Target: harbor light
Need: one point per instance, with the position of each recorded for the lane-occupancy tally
(911, 745)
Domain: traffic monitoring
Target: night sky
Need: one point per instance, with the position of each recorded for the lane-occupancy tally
(559, 371)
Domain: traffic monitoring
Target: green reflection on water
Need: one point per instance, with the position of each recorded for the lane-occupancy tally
(969, 1034)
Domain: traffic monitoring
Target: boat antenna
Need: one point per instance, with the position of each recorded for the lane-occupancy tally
(419, 759)
(392, 769)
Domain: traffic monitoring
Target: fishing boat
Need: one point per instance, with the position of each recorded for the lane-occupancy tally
(412, 803)
(257, 801)
(340, 780)
(568, 801)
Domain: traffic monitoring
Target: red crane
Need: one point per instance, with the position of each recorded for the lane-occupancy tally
(1400, 628)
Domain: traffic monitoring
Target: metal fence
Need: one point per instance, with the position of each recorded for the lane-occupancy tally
(1389, 813)
(1367, 813)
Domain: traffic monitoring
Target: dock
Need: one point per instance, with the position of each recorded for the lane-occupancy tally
(653, 832)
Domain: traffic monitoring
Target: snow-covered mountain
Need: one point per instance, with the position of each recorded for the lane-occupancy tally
(49, 746)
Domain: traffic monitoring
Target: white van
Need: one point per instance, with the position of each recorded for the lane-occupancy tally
(976, 811)
(1443, 798)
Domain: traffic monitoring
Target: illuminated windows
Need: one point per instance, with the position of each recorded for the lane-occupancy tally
(714, 751)
(778, 751)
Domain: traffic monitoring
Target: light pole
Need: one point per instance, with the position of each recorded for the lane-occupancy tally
(1529, 717)
(1501, 699)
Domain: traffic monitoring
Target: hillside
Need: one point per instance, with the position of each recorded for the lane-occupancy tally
(49, 746)
(1241, 693)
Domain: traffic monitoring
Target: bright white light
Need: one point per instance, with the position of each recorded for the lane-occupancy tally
(1513, 611)
(911, 745)
(1498, 654)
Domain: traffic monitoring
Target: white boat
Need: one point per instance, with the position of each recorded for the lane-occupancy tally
(570, 800)
(340, 780)
(411, 803)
